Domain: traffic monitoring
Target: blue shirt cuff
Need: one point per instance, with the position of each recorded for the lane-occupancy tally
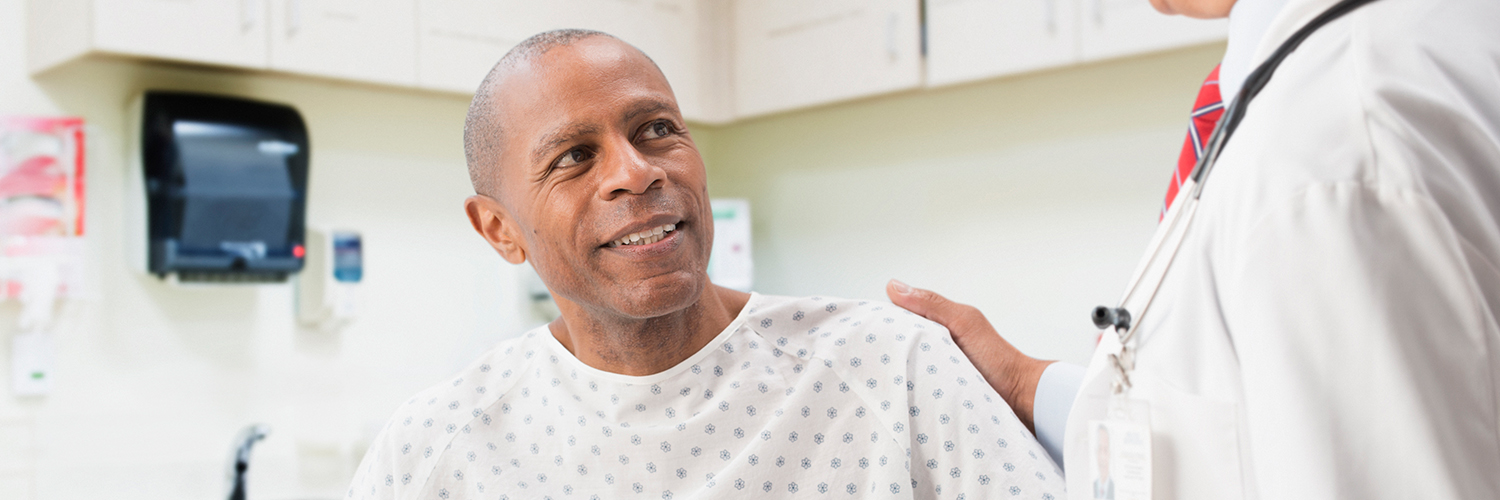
(1054, 400)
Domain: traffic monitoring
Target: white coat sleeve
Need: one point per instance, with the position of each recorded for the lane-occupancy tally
(1357, 315)
(1055, 392)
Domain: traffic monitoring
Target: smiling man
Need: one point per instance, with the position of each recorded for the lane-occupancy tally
(655, 383)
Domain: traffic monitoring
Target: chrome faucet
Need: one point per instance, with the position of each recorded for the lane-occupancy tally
(239, 460)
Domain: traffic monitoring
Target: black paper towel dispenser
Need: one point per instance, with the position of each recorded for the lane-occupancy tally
(226, 187)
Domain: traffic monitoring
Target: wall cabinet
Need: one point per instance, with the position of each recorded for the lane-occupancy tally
(1114, 28)
(368, 40)
(460, 40)
(791, 53)
(725, 59)
(975, 39)
(219, 32)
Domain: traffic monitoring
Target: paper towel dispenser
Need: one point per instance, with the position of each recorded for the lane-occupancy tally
(225, 187)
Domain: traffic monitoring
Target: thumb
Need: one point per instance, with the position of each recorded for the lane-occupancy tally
(925, 303)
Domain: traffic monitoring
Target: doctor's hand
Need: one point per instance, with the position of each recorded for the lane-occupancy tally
(1014, 375)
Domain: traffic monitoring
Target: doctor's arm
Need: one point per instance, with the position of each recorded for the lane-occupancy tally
(1040, 392)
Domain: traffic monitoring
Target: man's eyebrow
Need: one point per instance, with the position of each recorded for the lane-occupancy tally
(647, 106)
(558, 137)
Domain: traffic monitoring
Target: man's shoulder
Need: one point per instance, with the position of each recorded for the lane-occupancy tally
(432, 413)
(421, 428)
(844, 331)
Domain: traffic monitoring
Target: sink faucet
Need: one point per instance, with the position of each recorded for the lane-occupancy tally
(240, 461)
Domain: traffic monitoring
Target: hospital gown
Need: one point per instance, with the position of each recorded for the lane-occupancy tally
(810, 397)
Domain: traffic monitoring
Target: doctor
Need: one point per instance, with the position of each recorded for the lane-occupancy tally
(1329, 323)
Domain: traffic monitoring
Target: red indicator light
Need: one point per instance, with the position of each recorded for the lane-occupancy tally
(298, 251)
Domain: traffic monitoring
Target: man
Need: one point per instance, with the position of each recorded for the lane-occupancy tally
(1104, 486)
(655, 383)
(1328, 328)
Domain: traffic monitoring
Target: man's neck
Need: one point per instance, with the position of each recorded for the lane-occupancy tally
(647, 346)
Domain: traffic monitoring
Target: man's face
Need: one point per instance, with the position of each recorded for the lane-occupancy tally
(595, 150)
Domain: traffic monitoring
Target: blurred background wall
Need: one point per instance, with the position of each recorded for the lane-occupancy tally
(1030, 197)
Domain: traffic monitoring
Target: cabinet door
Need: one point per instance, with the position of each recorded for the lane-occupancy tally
(368, 40)
(974, 39)
(460, 40)
(795, 53)
(228, 32)
(1112, 28)
(666, 30)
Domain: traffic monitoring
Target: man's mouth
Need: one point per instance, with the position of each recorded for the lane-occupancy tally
(646, 237)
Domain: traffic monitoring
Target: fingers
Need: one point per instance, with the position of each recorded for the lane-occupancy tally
(960, 319)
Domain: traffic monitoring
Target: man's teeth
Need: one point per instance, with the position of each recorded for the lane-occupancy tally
(646, 237)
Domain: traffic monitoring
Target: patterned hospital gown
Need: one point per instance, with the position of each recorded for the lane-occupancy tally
(797, 398)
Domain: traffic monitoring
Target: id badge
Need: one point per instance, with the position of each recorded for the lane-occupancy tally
(1120, 453)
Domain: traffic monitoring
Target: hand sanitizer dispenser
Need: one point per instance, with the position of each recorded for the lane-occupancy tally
(328, 288)
(224, 185)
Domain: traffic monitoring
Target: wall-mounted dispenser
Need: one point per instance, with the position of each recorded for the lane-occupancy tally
(225, 188)
(328, 288)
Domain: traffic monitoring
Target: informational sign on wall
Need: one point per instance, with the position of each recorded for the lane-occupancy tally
(730, 265)
(41, 235)
(41, 204)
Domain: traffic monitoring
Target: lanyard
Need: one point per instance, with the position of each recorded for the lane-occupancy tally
(1169, 237)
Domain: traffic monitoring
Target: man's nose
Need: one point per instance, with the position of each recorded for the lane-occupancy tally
(627, 171)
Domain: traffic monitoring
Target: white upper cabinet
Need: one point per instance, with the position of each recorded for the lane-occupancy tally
(368, 40)
(220, 32)
(725, 59)
(668, 31)
(460, 40)
(796, 53)
(1113, 28)
(975, 39)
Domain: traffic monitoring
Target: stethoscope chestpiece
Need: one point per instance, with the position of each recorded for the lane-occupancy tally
(1105, 317)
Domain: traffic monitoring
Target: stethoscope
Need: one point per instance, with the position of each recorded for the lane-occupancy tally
(1147, 280)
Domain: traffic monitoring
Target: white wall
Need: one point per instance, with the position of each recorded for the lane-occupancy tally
(1031, 197)
(152, 382)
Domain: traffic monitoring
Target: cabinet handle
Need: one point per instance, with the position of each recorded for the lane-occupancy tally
(1099, 12)
(293, 17)
(250, 11)
(1050, 6)
(892, 49)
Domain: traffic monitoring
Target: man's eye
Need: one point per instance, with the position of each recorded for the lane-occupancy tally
(574, 157)
(657, 130)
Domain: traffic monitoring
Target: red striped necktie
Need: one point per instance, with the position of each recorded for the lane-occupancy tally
(1206, 113)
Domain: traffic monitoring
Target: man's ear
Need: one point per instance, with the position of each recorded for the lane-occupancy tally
(491, 221)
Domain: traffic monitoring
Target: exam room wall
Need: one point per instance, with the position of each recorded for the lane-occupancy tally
(1030, 197)
(153, 382)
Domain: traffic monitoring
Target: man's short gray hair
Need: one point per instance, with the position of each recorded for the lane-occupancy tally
(482, 128)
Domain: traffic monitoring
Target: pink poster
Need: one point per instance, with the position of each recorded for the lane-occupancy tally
(41, 203)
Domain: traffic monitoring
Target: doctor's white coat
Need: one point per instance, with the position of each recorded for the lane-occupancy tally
(1329, 329)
